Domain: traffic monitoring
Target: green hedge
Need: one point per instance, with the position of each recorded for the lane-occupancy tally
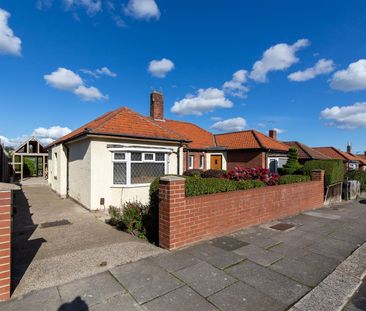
(334, 170)
(291, 179)
(199, 186)
(358, 175)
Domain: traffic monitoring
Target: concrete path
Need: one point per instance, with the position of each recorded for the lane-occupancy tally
(56, 241)
(358, 301)
(268, 267)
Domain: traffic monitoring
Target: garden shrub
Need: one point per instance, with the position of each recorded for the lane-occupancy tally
(261, 174)
(292, 166)
(290, 179)
(213, 173)
(334, 170)
(358, 175)
(200, 186)
(131, 217)
(193, 172)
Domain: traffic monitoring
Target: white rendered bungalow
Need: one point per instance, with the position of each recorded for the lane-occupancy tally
(114, 158)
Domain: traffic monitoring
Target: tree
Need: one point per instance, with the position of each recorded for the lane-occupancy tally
(292, 166)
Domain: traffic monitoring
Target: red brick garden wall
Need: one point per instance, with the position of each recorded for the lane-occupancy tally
(5, 239)
(184, 221)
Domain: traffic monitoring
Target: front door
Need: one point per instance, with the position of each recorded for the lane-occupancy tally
(216, 162)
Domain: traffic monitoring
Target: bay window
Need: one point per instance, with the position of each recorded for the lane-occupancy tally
(136, 168)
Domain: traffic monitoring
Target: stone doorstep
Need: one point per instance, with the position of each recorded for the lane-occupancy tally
(338, 287)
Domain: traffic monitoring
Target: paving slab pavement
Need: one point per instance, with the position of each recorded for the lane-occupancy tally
(47, 255)
(217, 275)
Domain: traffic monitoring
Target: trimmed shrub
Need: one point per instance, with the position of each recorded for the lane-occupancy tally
(261, 174)
(334, 170)
(199, 186)
(193, 172)
(358, 175)
(213, 173)
(292, 166)
(291, 179)
(130, 217)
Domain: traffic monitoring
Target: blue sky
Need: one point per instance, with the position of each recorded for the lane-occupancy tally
(298, 67)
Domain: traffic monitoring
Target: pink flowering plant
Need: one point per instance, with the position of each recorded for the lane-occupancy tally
(261, 174)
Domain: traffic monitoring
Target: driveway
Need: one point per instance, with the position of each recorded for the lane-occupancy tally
(56, 241)
(268, 267)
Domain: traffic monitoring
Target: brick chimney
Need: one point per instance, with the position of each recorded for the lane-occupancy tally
(349, 147)
(272, 134)
(157, 105)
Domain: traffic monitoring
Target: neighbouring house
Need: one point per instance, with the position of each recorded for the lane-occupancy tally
(362, 157)
(351, 162)
(33, 152)
(305, 152)
(253, 149)
(114, 158)
(201, 152)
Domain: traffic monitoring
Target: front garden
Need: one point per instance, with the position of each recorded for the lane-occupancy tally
(142, 220)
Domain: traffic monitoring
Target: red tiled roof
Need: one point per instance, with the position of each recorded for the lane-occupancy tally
(249, 140)
(199, 137)
(305, 152)
(125, 122)
(334, 153)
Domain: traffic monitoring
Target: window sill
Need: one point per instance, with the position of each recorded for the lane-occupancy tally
(131, 186)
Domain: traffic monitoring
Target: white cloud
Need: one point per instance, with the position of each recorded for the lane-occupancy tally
(99, 72)
(44, 135)
(206, 100)
(143, 9)
(235, 86)
(160, 68)
(91, 6)
(43, 4)
(9, 43)
(90, 93)
(216, 118)
(278, 57)
(346, 117)
(67, 80)
(351, 79)
(53, 132)
(323, 66)
(230, 125)
(106, 71)
(279, 131)
(63, 79)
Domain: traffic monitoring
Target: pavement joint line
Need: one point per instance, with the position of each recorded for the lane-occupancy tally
(304, 304)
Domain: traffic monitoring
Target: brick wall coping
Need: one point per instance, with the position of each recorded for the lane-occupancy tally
(8, 187)
(167, 179)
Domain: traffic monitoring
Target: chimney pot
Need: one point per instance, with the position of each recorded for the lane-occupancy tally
(272, 134)
(349, 148)
(157, 105)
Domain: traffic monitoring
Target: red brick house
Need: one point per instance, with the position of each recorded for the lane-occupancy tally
(305, 152)
(351, 162)
(253, 149)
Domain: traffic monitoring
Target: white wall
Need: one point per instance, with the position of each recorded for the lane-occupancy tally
(208, 159)
(57, 169)
(102, 174)
(80, 172)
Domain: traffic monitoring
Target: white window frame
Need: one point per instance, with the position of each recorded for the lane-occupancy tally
(190, 162)
(202, 161)
(128, 161)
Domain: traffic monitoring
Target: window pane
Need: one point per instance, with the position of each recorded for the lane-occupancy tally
(136, 156)
(119, 173)
(149, 156)
(142, 173)
(119, 156)
(159, 157)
